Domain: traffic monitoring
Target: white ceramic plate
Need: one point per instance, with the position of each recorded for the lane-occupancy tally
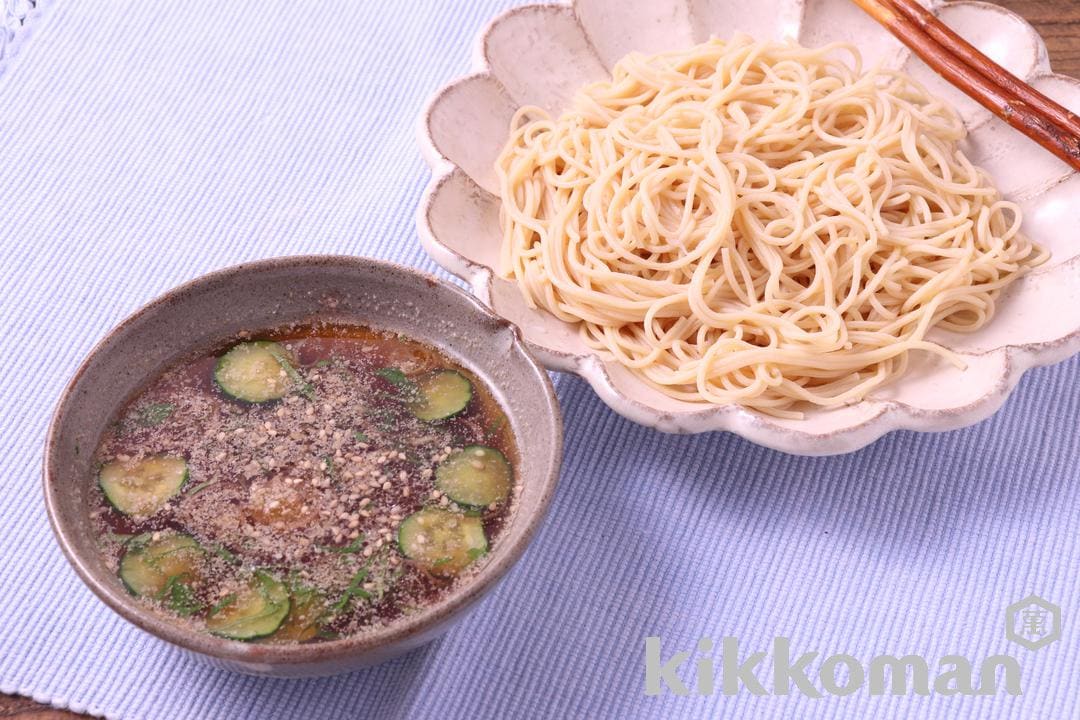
(541, 54)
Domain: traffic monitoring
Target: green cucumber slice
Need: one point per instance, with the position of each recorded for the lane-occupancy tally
(440, 394)
(304, 622)
(255, 372)
(258, 610)
(441, 541)
(143, 487)
(149, 566)
(476, 476)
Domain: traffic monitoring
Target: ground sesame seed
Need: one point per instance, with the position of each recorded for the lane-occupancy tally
(316, 484)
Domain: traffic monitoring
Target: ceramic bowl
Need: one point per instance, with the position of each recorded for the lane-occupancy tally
(268, 294)
(540, 54)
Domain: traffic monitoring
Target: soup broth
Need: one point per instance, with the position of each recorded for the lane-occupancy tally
(304, 484)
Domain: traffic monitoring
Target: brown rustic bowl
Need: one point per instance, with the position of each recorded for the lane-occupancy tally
(266, 294)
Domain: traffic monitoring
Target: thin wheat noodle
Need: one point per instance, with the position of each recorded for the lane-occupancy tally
(756, 223)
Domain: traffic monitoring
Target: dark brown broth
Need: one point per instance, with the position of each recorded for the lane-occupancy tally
(224, 504)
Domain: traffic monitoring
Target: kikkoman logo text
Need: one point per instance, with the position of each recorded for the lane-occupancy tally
(1032, 623)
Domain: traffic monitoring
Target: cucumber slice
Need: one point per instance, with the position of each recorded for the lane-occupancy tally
(255, 372)
(149, 565)
(303, 623)
(144, 487)
(441, 541)
(440, 394)
(258, 610)
(476, 476)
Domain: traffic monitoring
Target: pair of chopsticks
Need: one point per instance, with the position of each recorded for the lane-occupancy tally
(1023, 107)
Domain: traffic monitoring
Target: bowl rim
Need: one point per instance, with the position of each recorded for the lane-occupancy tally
(414, 626)
(886, 414)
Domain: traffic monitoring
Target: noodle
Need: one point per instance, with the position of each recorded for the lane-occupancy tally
(756, 223)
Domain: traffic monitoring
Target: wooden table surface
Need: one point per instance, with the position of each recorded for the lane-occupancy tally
(1058, 21)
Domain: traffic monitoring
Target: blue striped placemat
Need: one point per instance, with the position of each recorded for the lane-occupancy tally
(142, 144)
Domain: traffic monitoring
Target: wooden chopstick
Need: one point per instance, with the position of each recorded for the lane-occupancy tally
(945, 35)
(1023, 107)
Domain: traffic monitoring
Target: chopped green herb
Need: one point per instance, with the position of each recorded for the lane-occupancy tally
(475, 553)
(341, 604)
(151, 415)
(354, 547)
(179, 597)
(331, 470)
(394, 376)
(442, 561)
(222, 604)
(222, 552)
(138, 543)
(360, 437)
(303, 385)
(325, 362)
(145, 417)
(353, 591)
(200, 487)
(406, 388)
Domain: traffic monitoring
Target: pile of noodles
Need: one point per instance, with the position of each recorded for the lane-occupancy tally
(756, 222)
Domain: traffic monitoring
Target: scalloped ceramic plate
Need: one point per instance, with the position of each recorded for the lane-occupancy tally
(540, 54)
